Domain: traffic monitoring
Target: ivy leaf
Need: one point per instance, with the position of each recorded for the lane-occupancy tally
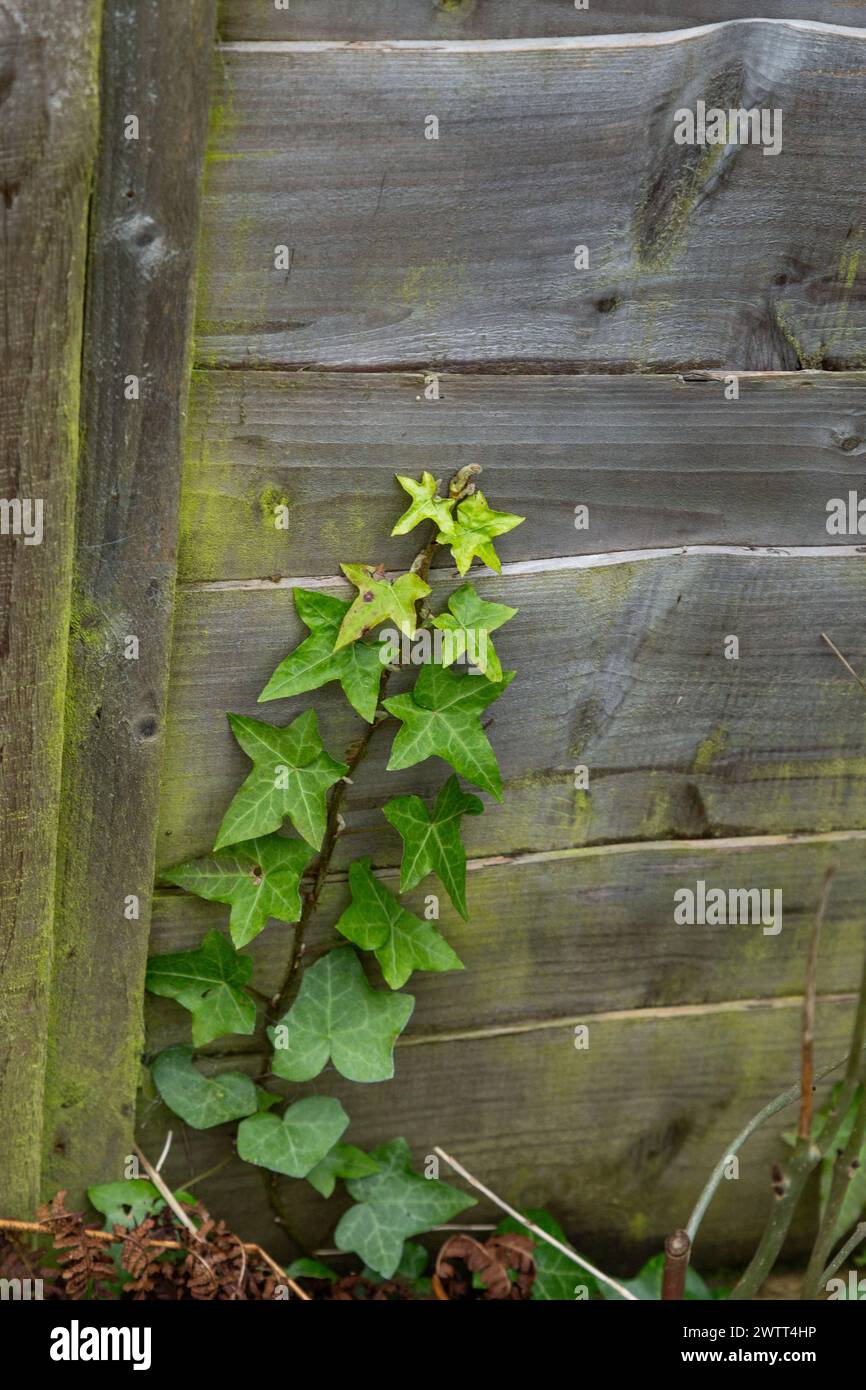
(201, 1101)
(314, 662)
(440, 718)
(556, 1276)
(296, 1141)
(426, 506)
(379, 599)
(413, 1263)
(474, 532)
(209, 982)
(647, 1285)
(291, 774)
(305, 1268)
(376, 921)
(393, 1205)
(260, 878)
(128, 1202)
(337, 1014)
(432, 844)
(470, 620)
(343, 1161)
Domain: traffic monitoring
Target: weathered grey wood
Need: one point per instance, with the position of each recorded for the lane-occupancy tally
(500, 19)
(156, 59)
(48, 57)
(659, 461)
(620, 668)
(591, 932)
(617, 1141)
(460, 251)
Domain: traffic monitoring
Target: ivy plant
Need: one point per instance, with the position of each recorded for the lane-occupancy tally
(273, 852)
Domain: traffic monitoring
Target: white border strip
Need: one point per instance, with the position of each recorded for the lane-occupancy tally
(556, 563)
(569, 42)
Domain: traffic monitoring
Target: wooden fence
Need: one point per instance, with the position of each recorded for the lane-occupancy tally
(602, 387)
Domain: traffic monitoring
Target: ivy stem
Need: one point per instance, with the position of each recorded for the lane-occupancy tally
(461, 485)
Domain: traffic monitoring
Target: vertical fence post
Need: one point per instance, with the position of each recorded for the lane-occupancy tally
(156, 59)
(48, 112)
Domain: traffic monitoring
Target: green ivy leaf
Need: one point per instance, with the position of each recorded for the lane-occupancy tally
(470, 620)
(291, 774)
(475, 530)
(295, 1142)
(647, 1285)
(413, 1263)
(401, 942)
(426, 506)
(201, 1101)
(344, 1161)
(379, 599)
(556, 1276)
(432, 844)
(337, 1014)
(314, 662)
(440, 718)
(310, 1269)
(128, 1202)
(393, 1205)
(260, 878)
(209, 982)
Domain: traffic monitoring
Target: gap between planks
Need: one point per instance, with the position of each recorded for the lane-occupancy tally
(548, 566)
(566, 43)
(546, 856)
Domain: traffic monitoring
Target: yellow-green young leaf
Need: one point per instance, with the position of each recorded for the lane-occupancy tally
(201, 1101)
(379, 599)
(260, 878)
(338, 1015)
(475, 529)
(210, 983)
(314, 663)
(432, 843)
(469, 624)
(291, 774)
(376, 921)
(426, 506)
(393, 1205)
(295, 1142)
(343, 1161)
(441, 718)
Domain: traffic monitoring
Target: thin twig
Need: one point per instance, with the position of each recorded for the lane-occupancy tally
(857, 1236)
(807, 1061)
(848, 667)
(165, 1191)
(536, 1230)
(779, 1102)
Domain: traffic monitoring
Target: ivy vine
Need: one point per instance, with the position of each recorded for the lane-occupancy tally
(329, 1012)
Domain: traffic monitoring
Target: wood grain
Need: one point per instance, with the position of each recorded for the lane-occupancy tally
(48, 57)
(156, 60)
(659, 461)
(459, 252)
(491, 19)
(590, 931)
(617, 1141)
(621, 668)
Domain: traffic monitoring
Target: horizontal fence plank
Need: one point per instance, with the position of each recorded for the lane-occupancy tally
(621, 669)
(617, 1140)
(403, 250)
(589, 933)
(491, 19)
(658, 460)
